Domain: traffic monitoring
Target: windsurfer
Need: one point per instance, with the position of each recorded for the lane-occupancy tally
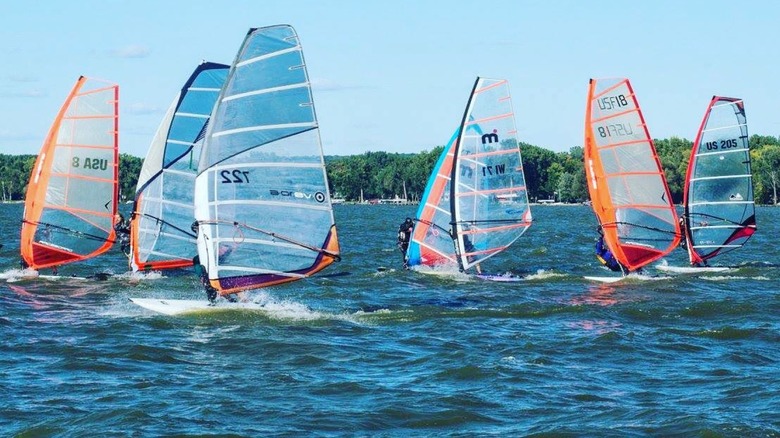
(605, 256)
(404, 236)
(469, 247)
(122, 228)
(203, 275)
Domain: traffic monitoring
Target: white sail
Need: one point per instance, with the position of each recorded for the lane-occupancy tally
(161, 235)
(489, 198)
(261, 194)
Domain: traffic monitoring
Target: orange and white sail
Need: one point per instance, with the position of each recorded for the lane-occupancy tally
(627, 186)
(72, 193)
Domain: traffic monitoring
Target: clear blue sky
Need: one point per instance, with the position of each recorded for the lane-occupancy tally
(395, 75)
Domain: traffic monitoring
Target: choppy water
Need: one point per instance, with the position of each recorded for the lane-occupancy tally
(398, 353)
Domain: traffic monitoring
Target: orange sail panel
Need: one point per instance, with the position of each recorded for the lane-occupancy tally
(71, 196)
(627, 186)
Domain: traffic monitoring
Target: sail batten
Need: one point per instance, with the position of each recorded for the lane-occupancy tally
(261, 195)
(264, 128)
(718, 192)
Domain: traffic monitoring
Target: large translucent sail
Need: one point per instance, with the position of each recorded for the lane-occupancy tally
(71, 196)
(161, 235)
(627, 186)
(431, 243)
(261, 194)
(719, 209)
(488, 196)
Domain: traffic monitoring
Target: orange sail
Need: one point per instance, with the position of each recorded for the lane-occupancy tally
(72, 194)
(627, 186)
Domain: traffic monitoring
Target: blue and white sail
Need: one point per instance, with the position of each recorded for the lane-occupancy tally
(161, 235)
(261, 195)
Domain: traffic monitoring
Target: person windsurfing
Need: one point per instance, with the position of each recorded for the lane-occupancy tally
(605, 256)
(404, 236)
(122, 228)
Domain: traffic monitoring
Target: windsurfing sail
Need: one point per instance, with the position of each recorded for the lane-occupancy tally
(161, 236)
(627, 187)
(261, 195)
(71, 196)
(431, 243)
(475, 204)
(720, 214)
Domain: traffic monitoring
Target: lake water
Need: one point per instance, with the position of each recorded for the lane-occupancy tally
(361, 352)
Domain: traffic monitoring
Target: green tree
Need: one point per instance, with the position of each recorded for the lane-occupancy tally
(766, 170)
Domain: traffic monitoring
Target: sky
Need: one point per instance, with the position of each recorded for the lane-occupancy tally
(395, 75)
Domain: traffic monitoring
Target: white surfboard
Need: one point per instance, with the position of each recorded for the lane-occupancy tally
(604, 279)
(499, 277)
(59, 277)
(23, 276)
(181, 307)
(692, 269)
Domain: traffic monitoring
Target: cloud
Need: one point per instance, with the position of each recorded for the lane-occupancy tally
(130, 51)
(22, 78)
(7, 135)
(34, 93)
(141, 108)
(321, 85)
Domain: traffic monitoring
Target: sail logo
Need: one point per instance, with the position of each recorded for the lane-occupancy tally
(615, 130)
(318, 196)
(490, 138)
(90, 163)
(612, 102)
(722, 144)
(498, 169)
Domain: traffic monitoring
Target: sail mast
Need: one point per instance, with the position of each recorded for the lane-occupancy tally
(457, 238)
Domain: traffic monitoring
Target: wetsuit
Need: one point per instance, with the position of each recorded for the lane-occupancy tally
(404, 236)
(203, 275)
(122, 228)
(604, 255)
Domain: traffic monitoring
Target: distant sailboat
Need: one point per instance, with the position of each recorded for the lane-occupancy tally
(475, 203)
(720, 214)
(161, 235)
(627, 186)
(261, 195)
(72, 194)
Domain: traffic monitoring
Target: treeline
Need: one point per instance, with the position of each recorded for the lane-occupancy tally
(381, 175)
(549, 175)
(15, 171)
